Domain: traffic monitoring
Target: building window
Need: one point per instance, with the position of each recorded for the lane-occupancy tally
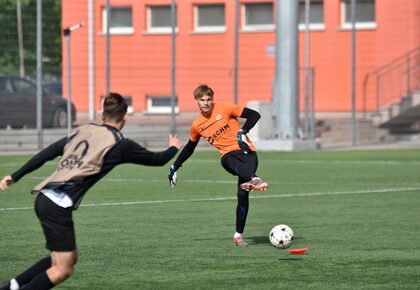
(161, 104)
(159, 19)
(120, 20)
(365, 14)
(257, 16)
(316, 15)
(129, 101)
(209, 18)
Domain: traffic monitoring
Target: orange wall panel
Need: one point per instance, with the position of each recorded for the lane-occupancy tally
(141, 62)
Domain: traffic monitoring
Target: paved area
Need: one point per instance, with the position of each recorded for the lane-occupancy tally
(390, 146)
(151, 131)
(326, 147)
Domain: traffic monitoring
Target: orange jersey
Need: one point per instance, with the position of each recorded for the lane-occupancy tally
(220, 129)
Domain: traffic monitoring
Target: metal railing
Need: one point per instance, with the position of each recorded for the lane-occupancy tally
(307, 102)
(398, 78)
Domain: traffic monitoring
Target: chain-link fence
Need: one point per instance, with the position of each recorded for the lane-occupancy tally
(18, 39)
(18, 55)
(231, 45)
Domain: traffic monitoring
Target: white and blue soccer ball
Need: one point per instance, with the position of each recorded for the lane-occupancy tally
(281, 236)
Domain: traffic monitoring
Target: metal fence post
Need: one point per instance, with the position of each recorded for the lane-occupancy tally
(67, 34)
(173, 67)
(39, 73)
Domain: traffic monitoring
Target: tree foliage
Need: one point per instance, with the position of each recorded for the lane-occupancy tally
(51, 37)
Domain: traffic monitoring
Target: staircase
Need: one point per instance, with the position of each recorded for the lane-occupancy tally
(402, 117)
(398, 94)
(337, 132)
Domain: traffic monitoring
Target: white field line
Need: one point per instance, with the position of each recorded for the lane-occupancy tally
(309, 194)
(148, 180)
(232, 181)
(279, 161)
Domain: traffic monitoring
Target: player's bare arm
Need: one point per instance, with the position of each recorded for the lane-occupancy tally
(5, 182)
(175, 142)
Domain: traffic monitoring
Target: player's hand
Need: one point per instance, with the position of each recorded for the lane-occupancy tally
(174, 141)
(243, 142)
(172, 176)
(5, 182)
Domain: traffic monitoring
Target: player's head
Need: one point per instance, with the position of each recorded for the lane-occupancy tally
(114, 108)
(203, 95)
(202, 90)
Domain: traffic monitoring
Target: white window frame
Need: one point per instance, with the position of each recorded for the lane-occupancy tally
(208, 29)
(159, 109)
(158, 30)
(129, 101)
(313, 26)
(255, 27)
(116, 30)
(358, 25)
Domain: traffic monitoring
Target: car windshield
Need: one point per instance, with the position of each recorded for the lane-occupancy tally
(5, 86)
(24, 86)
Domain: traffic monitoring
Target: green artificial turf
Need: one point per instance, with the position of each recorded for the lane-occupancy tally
(358, 212)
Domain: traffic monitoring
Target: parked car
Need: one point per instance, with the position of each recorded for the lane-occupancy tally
(55, 88)
(18, 103)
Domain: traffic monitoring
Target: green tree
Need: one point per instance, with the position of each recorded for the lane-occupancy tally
(51, 37)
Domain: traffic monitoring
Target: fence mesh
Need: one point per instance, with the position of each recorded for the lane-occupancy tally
(18, 38)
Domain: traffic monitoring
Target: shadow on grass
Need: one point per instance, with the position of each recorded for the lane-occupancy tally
(264, 240)
(259, 240)
(290, 259)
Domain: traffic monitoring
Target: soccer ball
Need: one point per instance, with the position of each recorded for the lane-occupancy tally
(281, 236)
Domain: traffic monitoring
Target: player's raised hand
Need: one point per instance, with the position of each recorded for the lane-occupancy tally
(5, 182)
(174, 141)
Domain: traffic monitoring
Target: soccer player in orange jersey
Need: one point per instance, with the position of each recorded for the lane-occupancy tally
(218, 124)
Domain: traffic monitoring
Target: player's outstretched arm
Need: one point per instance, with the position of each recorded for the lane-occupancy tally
(172, 176)
(186, 152)
(5, 182)
(173, 141)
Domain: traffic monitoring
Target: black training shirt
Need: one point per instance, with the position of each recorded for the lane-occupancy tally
(124, 151)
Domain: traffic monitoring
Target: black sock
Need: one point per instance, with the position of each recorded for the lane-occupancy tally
(34, 270)
(241, 210)
(39, 282)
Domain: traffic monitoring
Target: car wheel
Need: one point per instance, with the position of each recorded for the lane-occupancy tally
(60, 118)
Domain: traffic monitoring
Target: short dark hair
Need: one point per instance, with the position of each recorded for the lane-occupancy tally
(114, 107)
(202, 90)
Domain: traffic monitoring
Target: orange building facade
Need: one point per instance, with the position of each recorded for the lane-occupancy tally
(140, 50)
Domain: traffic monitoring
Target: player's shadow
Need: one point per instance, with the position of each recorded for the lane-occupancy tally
(259, 240)
(264, 240)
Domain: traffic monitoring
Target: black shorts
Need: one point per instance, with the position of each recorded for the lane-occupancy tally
(57, 224)
(240, 164)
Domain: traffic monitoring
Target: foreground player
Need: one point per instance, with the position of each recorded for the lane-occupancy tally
(87, 155)
(218, 124)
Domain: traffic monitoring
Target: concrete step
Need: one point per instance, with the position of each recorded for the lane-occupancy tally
(402, 116)
(153, 137)
(340, 131)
